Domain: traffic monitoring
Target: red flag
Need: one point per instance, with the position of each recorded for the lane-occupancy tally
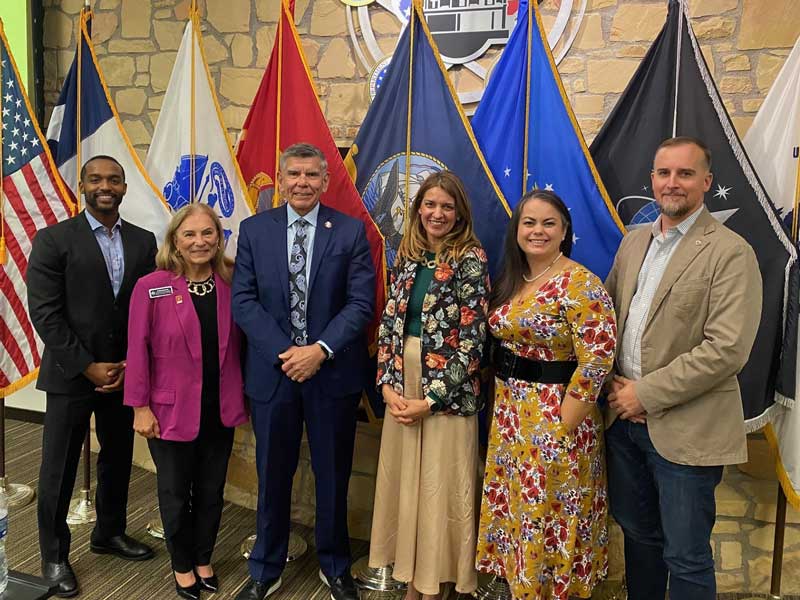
(286, 111)
(32, 198)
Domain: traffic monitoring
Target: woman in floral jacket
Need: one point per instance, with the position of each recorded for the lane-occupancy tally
(429, 350)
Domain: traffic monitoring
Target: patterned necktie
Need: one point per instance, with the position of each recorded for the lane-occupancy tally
(298, 284)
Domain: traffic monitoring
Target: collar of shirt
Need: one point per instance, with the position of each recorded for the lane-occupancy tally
(679, 229)
(310, 217)
(95, 224)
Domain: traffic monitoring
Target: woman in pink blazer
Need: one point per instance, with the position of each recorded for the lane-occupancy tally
(184, 381)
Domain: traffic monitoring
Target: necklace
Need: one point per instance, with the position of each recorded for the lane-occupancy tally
(531, 280)
(430, 263)
(201, 288)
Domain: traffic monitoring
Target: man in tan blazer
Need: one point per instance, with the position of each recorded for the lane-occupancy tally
(687, 292)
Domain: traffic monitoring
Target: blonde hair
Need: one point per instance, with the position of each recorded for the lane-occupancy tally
(458, 241)
(168, 257)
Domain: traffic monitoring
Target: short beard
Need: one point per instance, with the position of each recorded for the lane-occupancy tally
(674, 211)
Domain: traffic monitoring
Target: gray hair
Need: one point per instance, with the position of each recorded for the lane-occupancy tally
(303, 150)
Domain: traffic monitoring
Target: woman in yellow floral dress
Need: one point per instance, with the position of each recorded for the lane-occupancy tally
(544, 508)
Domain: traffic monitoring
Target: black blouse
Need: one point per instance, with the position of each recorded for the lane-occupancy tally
(206, 308)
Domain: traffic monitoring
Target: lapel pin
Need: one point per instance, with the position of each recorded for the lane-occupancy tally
(179, 299)
(698, 243)
(328, 224)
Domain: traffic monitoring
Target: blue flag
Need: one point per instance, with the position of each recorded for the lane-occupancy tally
(528, 107)
(399, 145)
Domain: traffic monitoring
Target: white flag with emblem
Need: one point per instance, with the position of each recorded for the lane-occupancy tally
(773, 144)
(191, 157)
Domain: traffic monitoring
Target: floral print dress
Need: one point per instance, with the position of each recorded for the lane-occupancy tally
(544, 508)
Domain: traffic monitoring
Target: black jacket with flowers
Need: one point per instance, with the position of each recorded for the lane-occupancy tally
(453, 332)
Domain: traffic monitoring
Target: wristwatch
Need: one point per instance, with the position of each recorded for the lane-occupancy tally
(328, 352)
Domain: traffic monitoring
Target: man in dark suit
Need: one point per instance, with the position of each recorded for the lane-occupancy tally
(303, 293)
(80, 276)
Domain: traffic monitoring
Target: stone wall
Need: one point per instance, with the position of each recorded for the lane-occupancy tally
(744, 41)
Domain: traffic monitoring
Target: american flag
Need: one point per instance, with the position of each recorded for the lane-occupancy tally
(33, 197)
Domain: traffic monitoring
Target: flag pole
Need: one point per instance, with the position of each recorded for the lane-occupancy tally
(677, 68)
(276, 199)
(531, 7)
(78, 73)
(796, 203)
(407, 186)
(192, 108)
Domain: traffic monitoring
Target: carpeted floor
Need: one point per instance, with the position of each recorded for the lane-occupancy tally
(105, 578)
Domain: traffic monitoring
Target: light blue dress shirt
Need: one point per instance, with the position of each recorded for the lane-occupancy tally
(311, 230)
(110, 243)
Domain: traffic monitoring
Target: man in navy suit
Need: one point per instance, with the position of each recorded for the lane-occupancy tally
(303, 293)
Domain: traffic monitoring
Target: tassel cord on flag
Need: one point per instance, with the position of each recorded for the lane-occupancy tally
(406, 200)
(527, 120)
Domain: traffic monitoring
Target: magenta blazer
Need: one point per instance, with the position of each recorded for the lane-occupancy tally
(164, 364)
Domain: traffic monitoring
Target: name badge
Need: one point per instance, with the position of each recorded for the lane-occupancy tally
(159, 292)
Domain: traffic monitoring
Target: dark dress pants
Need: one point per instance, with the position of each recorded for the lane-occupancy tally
(666, 511)
(66, 421)
(191, 482)
(278, 427)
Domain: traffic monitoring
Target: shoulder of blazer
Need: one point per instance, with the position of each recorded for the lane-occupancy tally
(129, 228)
(159, 277)
(327, 213)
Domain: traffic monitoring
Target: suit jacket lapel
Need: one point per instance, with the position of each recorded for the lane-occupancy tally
(322, 236)
(92, 247)
(187, 316)
(223, 316)
(129, 252)
(688, 248)
(279, 237)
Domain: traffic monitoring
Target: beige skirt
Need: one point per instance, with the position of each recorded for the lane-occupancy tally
(424, 515)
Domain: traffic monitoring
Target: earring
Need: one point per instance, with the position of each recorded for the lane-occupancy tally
(178, 253)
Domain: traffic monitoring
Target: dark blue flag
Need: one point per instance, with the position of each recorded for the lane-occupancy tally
(399, 145)
(526, 128)
(672, 93)
(416, 127)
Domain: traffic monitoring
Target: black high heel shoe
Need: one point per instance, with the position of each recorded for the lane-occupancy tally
(209, 584)
(191, 592)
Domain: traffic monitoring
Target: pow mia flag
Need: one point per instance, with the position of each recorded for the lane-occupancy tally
(672, 93)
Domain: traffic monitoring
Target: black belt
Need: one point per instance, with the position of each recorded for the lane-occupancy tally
(508, 365)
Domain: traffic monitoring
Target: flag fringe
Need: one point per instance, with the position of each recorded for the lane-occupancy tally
(752, 179)
(738, 149)
(759, 422)
(792, 495)
(19, 383)
(784, 401)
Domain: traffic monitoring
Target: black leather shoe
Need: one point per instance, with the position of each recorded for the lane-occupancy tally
(191, 592)
(61, 578)
(208, 584)
(342, 587)
(123, 546)
(258, 590)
